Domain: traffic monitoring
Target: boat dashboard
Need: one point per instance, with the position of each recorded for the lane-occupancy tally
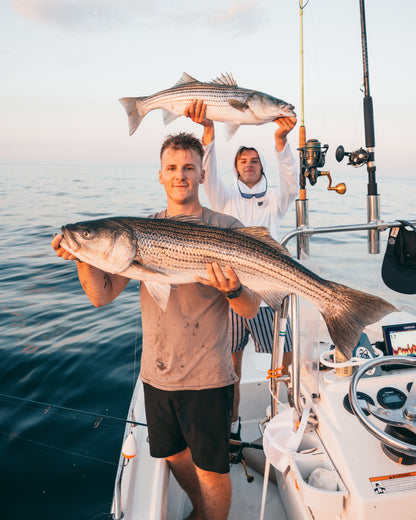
(365, 427)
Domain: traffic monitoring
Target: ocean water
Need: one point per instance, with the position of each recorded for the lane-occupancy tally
(56, 348)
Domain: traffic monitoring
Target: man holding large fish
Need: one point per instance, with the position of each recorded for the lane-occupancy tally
(185, 324)
(186, 361)
(254, 203)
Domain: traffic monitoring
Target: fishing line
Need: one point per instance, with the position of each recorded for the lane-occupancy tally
(65, 415)
(72, 410)
(44, 445)
(136, 338)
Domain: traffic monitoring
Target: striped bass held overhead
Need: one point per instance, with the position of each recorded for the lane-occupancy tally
(165, 252)
(225, 101)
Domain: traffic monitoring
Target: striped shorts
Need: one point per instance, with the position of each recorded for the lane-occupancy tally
(261, 329)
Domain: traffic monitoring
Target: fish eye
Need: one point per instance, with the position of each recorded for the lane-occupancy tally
(86, 233)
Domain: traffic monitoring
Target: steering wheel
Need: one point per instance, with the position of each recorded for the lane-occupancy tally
(404, 417)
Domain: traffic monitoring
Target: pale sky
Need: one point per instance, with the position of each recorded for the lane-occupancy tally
(65, 64)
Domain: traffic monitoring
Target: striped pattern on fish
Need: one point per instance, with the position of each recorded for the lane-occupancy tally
(224, 99)
(164, 252)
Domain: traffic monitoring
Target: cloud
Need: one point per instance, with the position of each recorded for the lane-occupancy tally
(80, 15)
(235, 16)
(240, 16)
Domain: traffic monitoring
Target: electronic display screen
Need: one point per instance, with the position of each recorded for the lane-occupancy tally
(400, 339)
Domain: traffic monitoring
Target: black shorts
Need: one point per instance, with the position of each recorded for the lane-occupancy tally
(200, 419)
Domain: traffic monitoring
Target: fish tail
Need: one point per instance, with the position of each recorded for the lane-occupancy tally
(132, 105)
(349, 313)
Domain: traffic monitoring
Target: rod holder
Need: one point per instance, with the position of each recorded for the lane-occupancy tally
(373, 215)
(302, 220)
(279, 322)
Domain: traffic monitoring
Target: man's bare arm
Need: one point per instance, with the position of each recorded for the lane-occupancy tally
(284, 126)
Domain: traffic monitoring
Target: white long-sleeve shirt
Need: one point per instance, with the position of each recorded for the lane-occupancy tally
(265, 211)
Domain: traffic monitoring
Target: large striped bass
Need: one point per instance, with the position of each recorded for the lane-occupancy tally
(163, 252)
(225, 102)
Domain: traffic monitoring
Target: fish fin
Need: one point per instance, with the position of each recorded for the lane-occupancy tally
(272, 298)
(133, 108)
(169, 116)
(144, 270)
(263, 234)
(225, 79)
(136, 271)
(231, 129)
(238, 105)
(159, 292)
(349, 312)
(186, 78)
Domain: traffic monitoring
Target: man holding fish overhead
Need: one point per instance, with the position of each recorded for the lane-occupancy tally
(254, 203)
(186, 364)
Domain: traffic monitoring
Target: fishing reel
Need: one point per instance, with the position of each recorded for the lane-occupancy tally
(356, 159)
(313, 157)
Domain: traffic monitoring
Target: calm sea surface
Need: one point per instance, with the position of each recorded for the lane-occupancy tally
(56, 348)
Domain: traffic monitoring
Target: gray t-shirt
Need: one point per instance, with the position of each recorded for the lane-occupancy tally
(188, 347)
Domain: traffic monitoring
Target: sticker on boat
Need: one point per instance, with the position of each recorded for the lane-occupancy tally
(394, 483)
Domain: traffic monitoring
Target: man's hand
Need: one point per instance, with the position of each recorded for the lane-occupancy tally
(285, 125)
(225, 280)
(60, 251)
(196, 110)
(100, 287)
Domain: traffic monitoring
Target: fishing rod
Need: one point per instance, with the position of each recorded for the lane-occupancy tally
(366, 156)
(48, 406)
(373, 199)
(311, 156)
(302, 209)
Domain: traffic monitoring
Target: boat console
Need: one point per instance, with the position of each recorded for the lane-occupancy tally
(363, 434)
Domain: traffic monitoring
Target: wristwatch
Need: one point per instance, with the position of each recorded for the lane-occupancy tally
(230, 295)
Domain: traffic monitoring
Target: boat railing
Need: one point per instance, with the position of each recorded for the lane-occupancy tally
(302, 231)
(378, 225)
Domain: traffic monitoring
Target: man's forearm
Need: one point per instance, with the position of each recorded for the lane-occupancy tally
(208, 135)
(247, 304)
(280, 142)
(100, 287)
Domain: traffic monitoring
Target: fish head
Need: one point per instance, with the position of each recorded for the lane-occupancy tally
(267, 108)
(108, 244)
